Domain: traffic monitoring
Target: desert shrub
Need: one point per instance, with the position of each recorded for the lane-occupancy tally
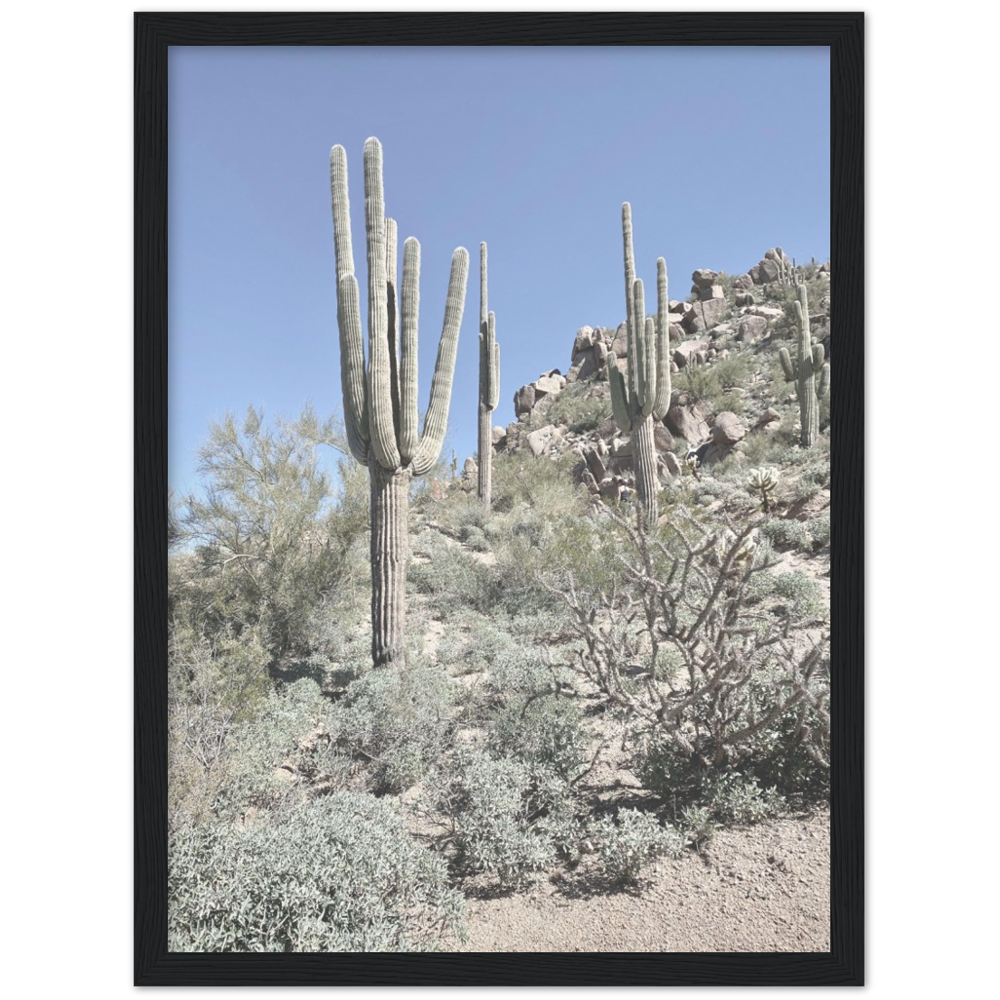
(337, 874)
(720, 657)
(451, 575)
(253, 777)
(802, 596)
(543, 729)
(578, 407)
(697, 824)
(819, 529)
(396, 722)
(786, 533)
(631, 842)
(475, 538)
(213, 686)
(713, 381)
(734, 798)
(510, 818)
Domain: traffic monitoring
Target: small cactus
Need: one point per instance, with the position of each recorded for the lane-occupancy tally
(803, 371)
(764, 482)
(645, 398)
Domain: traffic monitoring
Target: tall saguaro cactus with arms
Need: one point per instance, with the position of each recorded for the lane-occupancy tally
(645, 397)
(489, 383)
(803, 371)
(380, 402)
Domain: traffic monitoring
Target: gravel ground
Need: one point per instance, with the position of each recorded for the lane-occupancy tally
(761, 889)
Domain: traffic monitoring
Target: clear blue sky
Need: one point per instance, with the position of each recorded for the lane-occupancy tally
(723, 152)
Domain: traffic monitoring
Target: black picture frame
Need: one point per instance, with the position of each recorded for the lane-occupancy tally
(154, 33)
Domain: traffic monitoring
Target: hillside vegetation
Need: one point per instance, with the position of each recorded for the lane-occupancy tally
(583, 695)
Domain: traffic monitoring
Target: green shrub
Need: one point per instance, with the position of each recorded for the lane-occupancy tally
(577, 407)
(632, 841)
(511, 818)
(338, 874)
(396, 723)
(819, 530)
(545, 730)
(733, 798)
(786, 533)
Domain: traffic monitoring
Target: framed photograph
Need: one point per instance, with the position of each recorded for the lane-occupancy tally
(498, 501)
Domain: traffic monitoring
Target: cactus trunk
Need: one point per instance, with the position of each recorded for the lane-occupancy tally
(489, 384)
(485, 455)
(390, 490)
(644, 461)
(805, 389)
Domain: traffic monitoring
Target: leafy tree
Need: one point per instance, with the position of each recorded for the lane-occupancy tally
(267, 537)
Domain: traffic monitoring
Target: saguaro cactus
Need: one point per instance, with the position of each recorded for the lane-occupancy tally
(646, 397)
(489, 383)
(380, 403)
(803, 372)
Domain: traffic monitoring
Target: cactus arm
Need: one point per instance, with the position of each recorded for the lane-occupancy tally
(341, 214)
(381, 425)
(352, 368)
(818, 357)
(802, 313)
(823, 385)
(629, 261)
(436, 420)
(787, 367)
(636, 344)
(663, 387)
(392, 312)
(493, 395)
(483, 302)
(649, 367)
(409, 419)
(619, 395)
(352, 352)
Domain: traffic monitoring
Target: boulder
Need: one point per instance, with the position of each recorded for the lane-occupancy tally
(754, 273)
(548, 384)
(594, 464)
(620, 343)
(498, 435)
(768, 271)
(524, 400)
(744, 299)
(727, 429)
(584, 365)
(751, 329)
(688, 417)
(742, 283)
(704, 315)
(769, 416)
(713, 292)
(768, 312)
(663, 439)
(541, 440)
(676, 332)
(670, 463)
(704, 278)
(588, 480)
(682, 352)
(584, 339)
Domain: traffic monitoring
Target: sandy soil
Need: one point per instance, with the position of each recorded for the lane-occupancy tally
(762, 889)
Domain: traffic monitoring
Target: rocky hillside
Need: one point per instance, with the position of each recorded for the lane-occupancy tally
(727, 387)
